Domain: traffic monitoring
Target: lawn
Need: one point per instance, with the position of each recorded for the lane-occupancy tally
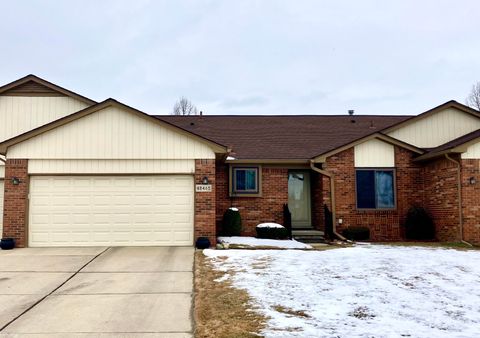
(363, 291)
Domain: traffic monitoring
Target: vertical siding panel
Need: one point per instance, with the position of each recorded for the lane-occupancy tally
(19, 114)
(437, 129)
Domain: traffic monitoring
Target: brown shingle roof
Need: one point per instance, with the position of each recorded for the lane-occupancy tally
(283, 137)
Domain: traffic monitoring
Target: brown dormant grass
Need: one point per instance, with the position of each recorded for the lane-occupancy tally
(220, 310)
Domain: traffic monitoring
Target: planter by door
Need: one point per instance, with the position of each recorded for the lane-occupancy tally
(7, 243)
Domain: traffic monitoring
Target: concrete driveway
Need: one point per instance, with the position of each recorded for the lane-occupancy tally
(128, 291)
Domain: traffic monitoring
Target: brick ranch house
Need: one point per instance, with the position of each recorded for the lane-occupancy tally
(76, 172)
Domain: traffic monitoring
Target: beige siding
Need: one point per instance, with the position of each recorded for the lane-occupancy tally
(473, 152)
(111, 166)
(374, 153)
(19, 114)
(111, 133)
(437, 129)
(2, 170)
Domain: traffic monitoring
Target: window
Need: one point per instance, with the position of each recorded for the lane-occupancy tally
(245, 180)
(375, 189)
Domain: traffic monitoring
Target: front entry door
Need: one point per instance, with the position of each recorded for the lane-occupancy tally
(299, 198)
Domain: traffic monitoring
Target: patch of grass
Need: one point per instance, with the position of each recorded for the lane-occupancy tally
(220, 310)
(291, 312)
(362, 312)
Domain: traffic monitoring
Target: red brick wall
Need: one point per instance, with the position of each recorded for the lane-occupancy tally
(471, 201)
(385, 225)
(15, 203)
(441, 198)
(205, 201)
(254, 210)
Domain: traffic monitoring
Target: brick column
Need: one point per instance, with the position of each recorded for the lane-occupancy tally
(15, 203)
(470, 200)
(205, 202)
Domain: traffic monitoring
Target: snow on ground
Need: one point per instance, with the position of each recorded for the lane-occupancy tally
(365, 291)
(252, 242)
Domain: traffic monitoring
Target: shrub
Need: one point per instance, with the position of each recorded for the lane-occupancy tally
(272, 232)
(232, 222)
(419, 224)
(356, 233)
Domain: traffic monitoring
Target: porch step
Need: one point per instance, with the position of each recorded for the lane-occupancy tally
(309, 236)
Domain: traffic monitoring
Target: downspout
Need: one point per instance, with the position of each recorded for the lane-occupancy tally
(332, 197)
(459, 191)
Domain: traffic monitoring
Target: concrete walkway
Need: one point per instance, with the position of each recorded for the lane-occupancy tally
(132, 292)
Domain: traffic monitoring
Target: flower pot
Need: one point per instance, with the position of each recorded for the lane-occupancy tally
(202, 243)
(7, 243)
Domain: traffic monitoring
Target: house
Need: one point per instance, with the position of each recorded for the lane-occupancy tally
(84, 173)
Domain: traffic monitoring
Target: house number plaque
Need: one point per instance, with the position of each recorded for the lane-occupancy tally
(203, 187)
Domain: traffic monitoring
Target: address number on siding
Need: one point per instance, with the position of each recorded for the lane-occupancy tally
(203, 187)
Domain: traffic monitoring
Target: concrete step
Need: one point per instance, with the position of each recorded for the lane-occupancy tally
(310, 239)
(307, 233)
(309, 236)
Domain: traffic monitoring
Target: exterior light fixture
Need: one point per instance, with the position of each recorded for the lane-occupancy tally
(205, 180)
(15, 181)
(472, 180)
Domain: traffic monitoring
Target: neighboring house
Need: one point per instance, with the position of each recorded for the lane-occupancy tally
(82, 173)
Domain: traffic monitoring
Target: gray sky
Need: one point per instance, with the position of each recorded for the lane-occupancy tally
(249, 57)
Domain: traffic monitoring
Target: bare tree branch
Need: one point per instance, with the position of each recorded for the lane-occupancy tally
(473, 99)
(184, 107)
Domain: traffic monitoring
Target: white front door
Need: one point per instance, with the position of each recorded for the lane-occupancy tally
(111, 210)
(299, 198)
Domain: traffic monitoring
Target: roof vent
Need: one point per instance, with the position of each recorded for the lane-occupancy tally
(351, 112)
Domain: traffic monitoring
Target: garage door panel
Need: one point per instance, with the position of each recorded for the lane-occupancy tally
(117, 210)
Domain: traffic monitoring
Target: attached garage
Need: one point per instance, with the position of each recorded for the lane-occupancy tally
(110, 175)
(133, 210)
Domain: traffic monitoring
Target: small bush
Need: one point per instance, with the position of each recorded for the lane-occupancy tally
(272, 233)
(356, 233)
(419, 224)
(232, 222)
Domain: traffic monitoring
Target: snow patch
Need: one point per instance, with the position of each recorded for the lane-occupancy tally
(270, 225)
(364, 291)
(258, 242)
(233, 209)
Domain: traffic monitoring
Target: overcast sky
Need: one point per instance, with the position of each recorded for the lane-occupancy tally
(249, 57)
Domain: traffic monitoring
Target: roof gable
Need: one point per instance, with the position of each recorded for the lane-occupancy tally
(458, 145)
(101, 107)
(378, 136)
(32, 85)
(439, 108)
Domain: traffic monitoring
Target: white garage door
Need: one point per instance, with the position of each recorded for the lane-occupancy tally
(1, 207)
(111, 210)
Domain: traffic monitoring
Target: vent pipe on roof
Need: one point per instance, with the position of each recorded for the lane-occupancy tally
(351, 112)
